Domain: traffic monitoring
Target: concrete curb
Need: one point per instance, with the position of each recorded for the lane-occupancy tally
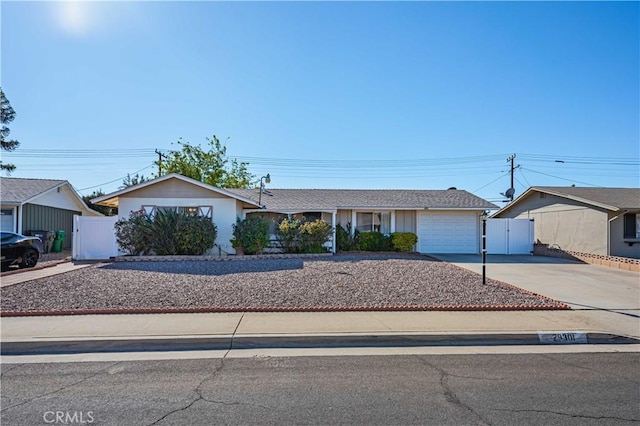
(559, 306)
(227, 342)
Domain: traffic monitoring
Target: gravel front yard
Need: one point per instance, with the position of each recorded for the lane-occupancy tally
(341, 282)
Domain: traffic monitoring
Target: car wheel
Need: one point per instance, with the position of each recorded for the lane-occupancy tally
(29, 258)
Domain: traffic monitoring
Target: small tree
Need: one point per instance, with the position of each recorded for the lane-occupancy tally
(7, 115)
(210, 166)
(107, 211)
(132, 180)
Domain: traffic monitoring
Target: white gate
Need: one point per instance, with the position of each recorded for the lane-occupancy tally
(509, 236)
(94, 237)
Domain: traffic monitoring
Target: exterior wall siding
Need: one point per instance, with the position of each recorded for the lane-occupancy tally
(43, 218)
(563, 223)
(406, 221)
(173, 188)
(343, 217)
(618, 246)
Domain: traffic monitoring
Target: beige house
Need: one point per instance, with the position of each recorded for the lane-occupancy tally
(602, 221)
(445, 221)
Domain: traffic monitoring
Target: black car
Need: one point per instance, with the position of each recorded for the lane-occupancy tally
(19, 250)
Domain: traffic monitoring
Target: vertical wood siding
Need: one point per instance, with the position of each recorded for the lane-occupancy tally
(43, 218)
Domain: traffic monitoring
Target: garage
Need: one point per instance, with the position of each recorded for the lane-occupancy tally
(448, 232)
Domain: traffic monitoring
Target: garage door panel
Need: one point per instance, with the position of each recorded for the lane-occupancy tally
(448, 232)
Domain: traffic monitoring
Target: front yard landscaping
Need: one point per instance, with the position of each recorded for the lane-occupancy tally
(340, 282)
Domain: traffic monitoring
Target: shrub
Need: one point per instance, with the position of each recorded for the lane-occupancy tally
(251, 234)
(403, 241)
(314, 235)
(131, 235)
(297, 236)
(167, 233)
(344, 240)
(374, 241)
(288, 235)
(195, 235)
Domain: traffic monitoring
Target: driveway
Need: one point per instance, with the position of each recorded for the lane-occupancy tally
(608, 296)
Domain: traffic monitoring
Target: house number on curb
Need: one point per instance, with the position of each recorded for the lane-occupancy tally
(563, 337)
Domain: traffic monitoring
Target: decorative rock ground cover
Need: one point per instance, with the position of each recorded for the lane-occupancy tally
(342, 282)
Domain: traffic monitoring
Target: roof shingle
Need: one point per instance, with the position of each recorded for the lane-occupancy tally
(19, 190)
(618, 198)
(334, 199)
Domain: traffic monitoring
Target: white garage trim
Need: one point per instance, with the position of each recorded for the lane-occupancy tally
(448, 232)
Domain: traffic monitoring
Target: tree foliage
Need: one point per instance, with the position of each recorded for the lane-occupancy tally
(209, 165)
(132, 180)
(107, 211)
(7, 115)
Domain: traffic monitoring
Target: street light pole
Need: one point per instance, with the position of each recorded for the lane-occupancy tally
(484, 247)
(267, 179)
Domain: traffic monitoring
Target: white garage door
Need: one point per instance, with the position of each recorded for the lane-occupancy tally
(448, 232)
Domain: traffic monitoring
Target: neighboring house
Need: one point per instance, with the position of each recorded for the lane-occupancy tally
(601, 221)
(445, 221)
(40, 205)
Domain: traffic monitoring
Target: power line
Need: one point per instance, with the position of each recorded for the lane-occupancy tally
(558, 177)
(115, 180)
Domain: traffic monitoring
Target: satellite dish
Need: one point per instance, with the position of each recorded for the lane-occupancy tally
(510, 192)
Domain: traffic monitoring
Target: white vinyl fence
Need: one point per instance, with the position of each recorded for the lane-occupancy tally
(510, 236)
(94, 237)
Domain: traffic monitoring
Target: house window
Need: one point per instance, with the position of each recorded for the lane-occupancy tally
(632, 226)
(374, 221)
(204, 211)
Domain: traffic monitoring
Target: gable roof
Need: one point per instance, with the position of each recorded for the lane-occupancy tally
(613, 199)
(333, 199)
(112, 198)
(18, 191)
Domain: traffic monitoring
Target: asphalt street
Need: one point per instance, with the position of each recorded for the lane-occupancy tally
(492, 389)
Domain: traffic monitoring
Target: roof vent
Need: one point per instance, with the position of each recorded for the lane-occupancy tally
(452, 188)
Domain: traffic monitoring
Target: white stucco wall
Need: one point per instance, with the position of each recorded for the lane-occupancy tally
(63, 198)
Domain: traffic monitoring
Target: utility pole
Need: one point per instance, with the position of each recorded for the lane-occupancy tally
(161, 156)
(511, 191)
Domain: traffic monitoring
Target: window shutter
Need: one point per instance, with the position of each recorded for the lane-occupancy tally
(630, 225)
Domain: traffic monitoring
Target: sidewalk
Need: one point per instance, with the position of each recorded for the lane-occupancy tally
(140, 332)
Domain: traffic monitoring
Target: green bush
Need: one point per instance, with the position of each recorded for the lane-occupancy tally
(403, 241)
(297, 236)
(251, 234)
(374, 241)
(288, 235)
(314, 235)
(130, 233)
(344, 240)
(167, 233)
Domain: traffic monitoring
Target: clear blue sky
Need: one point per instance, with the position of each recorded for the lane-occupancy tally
(329, 95)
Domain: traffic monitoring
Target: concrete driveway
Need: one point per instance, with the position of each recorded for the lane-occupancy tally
(609, 297)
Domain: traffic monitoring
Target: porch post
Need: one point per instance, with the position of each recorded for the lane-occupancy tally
(333, 226)
(353, 222)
